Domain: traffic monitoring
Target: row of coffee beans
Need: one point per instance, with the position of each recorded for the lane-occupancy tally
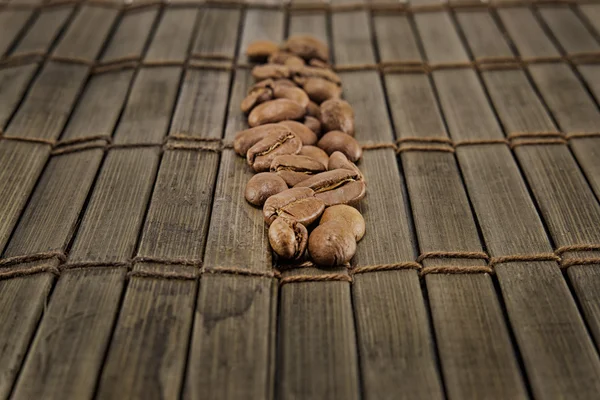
(301, 144)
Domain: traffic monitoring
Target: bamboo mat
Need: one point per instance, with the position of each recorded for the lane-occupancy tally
(122, 216)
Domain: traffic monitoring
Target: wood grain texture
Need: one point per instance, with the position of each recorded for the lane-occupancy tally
(211, 38)
(172, 38)
(148, 112)
(22, 164)
(69, 346)
(439, 38)
(351, 38)
(22, 303)
(13, 83)
(526, 33)
(572, 35)
(483, 36)
(86, 34)
(261, 25)
(11, 23)
(44, 31)
(476, 353)
(395, 39)
(313, 23)
(591, 12)
(131, 35)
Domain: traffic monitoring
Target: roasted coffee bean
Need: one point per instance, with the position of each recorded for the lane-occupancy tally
(339, 141)
(301, 74)
(294, 169)
(315, 62)
(291, 93)
(307, 47)
(331, 244)
(270, 71)
(255, 97)
(275, 111)
(337, 115)
(339, 186)
(313, 124)
(260, 50)
(320, 90)
(337, 160)
(349, 216)
(271, 83)
(314, 110)
(303, 132)
(316, 154)
(262, 153)
(262, 186)
(286, 58)
(288, 238)
(248, 137)
(298, 204)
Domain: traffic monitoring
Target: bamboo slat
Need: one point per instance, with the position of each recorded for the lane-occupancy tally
(484, 38)
(13, 81)
(395, 40)
(44, 31)
(211, 38)
(572, 35)
(12, 22)
(172, 38)
(591, 13)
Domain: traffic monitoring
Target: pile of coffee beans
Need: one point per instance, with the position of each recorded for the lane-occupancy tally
(301, 144)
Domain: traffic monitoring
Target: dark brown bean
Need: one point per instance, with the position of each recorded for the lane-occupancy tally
(313, 110)
(337, 115)
(286, 58)
(288, 238)
(315, 153)
(260, 50)
(307, 47)
(255, 97)
(331, 244)
(339, 186)
(338, 141)
(294, 169)
(347, 215)
(298, 204)
(271, 83)
(248, 137)
(270, 71)
(307, 136)
(320, 90)
(262, 186)
(292, 93)
(301, 74)
(337, 160)
(313, 124)
(262, 153)
(315, 62)
(275, 111)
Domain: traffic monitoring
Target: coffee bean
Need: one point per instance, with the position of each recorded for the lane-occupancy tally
(248, 137)
(337, 115)
(315, 62)
(320, 90)
(288, 238)
(275, 111)
(303, 132)
(295, 168)
(262, 153)
(339, 186)
(298, 204)
(286, 58)
(262, 186)
(261, 49)
(301, 74)
(292, 93)
(314, 110)
(313, 124)
(307, 47)
(349, 216)
(270, 71)
(338, 160)
(338, 141)
(271, 83)
(255, 97)
(315, 153)
(331, 244)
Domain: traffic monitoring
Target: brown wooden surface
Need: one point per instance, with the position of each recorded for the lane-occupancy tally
(111, 325)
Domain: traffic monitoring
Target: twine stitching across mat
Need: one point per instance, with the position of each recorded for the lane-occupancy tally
(402, 7)
(7, 272)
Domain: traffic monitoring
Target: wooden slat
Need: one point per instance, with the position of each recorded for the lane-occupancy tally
(526, 33)
(231, 353)
(211, 38)
(12, 22)
(84, 38)
(131, 35)
(395, 40)
(439, 39)
(173, 35)
(43, 31)
(352, 38)
(13, 83)
(572, 35)
(475, 349)
(483, 36)
(591, 13)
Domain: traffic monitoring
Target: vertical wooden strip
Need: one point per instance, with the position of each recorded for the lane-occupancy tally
(13, 81)
(212, 39)
(172, 38)
(526, 33)
(572, 35)
(439, 39)
(261, 25)
(483, 36)
(591, 12)
(352, 38)
(395, 40)
(12, 22)
(43, 31)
